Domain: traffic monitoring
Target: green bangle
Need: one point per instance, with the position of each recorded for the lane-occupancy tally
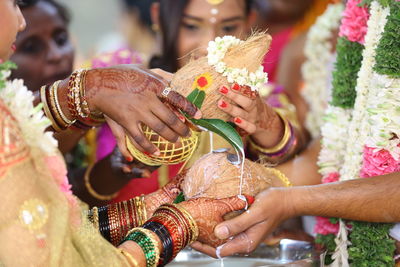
(149, 246)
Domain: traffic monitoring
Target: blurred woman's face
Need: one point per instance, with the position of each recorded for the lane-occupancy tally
(203, 22)
(11, 21)
(44, 52)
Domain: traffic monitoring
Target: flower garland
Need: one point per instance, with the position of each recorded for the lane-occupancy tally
(372, 144)
(31, 120)
(216, 53)
(33, 124)
(318, 52)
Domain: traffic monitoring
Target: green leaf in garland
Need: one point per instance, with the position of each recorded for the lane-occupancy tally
(348, 64)
(388, 50)
(179, 198)
(197, 97)
(222, 128)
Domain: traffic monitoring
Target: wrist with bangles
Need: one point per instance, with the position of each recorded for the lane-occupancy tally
(280, 150)
(83, 117)
(115, 220)
(174, 227)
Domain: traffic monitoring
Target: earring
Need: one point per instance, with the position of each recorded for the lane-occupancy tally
(155, 27)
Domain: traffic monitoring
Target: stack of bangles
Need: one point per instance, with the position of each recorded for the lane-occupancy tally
(283, 148)
(173, 225)
(115, 220)
(77, 105)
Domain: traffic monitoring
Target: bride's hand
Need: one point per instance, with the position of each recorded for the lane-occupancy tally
(209, 212)
(166, 194)
(128, 96)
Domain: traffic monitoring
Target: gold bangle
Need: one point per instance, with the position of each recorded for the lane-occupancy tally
(53, 107)
(193, 225)
(64, 118)
(281, 176)
(131, 260)
(90, 189)
(281, 144)
(46, 109)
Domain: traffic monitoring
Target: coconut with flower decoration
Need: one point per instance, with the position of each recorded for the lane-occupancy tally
(229, 61)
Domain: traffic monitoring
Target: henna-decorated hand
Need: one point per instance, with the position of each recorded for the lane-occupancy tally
(247, 108)
(250, 113)
(209, 212)
(164, 195)
(129, 95)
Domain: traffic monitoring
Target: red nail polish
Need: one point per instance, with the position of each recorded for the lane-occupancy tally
(237, 120)
(182, 118)
(129, 159)
(236, 87)
(223, 90)
(223, 104)
(250, 199)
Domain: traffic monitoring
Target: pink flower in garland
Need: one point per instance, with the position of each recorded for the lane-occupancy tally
(330, 178)
(325, 227)
(354, 22)
(378, 162)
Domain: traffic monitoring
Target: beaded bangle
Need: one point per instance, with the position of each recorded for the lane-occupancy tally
(104, 224)
(186, 217)
(281, 176)
(177, 231)
(93, 217)
(144, 238)
(162, 232)
(90, 189)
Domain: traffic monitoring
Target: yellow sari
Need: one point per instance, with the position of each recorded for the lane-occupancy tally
(39, 224)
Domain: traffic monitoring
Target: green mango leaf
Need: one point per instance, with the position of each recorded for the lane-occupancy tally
(179, 198)
(222, 128)
(197, 97)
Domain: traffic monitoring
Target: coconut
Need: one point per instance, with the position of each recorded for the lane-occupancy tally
(214, 176)
(248, 54)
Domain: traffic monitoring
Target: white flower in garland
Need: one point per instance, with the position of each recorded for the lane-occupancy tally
(334, 137)
(216, 53)
(384, 115)
(31, 120)
(318, 51)
(359, 126)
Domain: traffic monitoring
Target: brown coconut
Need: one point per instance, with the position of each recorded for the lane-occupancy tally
(214, 176)
(249, 54)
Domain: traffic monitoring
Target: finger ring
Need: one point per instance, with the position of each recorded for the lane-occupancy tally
(166, 91)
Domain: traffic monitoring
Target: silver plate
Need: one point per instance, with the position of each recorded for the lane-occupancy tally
(287, 253)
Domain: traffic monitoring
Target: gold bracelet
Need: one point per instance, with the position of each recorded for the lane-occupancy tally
(190, 219)
(131, 260)
(281, 176)
(64, 118)
(46, 109)
(281, 144)
(90, 189)
(53, 107)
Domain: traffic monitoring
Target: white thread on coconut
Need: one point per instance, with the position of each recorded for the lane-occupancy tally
(216, 53)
